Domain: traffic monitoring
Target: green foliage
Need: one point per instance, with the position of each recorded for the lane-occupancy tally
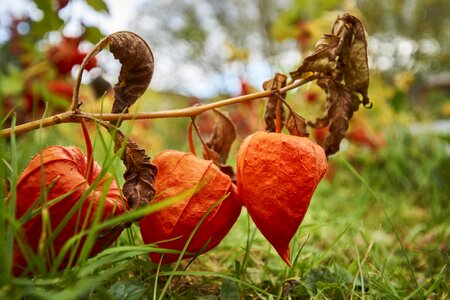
(98, 5)
(305, 9)
(319, 281)
(127, 290)
(381, 221)
(49, 22)
(229, 290)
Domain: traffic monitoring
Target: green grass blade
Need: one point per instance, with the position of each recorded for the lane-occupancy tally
(191, 236)
(11, 206)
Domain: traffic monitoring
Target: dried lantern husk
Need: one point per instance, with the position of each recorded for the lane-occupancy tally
(204, 185)
(60, 170)
(277, 175)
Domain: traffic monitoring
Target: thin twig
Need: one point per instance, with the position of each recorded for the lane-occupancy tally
(197, 130)
(76, 89)
(74, 116)
(191, 141)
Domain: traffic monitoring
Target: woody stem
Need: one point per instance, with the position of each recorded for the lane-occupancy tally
(74, 116)
(200, 137)
(76, 89)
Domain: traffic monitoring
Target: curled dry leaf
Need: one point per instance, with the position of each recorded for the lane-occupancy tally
(140, 172)
(341, 59)
(341, 104)
(341, 55)
(137, 68)
(217, 147)
(278, 82)
(296, 124)
(354, 54)
(322, 60)
(220, 141)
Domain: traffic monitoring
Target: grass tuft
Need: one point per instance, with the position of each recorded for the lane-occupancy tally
(378, 229)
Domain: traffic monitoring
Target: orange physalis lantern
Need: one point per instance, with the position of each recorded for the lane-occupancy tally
(277, 175)
(204, 185)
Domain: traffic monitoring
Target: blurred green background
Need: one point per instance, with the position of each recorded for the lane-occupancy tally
(207, 50)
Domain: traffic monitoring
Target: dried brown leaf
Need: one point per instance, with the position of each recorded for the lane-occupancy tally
(341, 55)
(296, 124)
(354, 54)
(211, 154)
(228, 170)
(322, 60)
(320, 122)
(219, 143)
(278, 82)
(140, 172)
(342, 102)
(137, 68)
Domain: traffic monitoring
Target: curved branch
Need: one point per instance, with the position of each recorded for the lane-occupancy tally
(76, 89)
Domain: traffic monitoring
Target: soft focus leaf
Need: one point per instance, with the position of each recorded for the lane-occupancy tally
(296, 124)
(278, 82)
(219, 144)
(98, 5)
(49, 22)
(92, 34)
(140, 172)
(290, 285)
(100, 86)
(137, 68)
(229, 290)
(127, 290)
(341, 104)
(11, 83)
(318, 279)
(323, 59)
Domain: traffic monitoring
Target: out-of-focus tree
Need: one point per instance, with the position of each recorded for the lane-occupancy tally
(200, 37)
(410, 43)
(213, 43)
(413, 33)
(38, 57)
(204, 48)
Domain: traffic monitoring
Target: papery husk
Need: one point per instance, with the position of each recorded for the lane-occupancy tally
(59, 170)
(277, 175)
(200, 184)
